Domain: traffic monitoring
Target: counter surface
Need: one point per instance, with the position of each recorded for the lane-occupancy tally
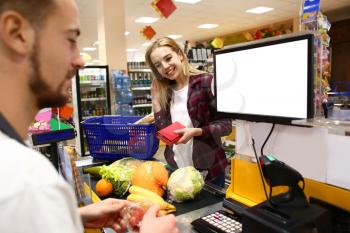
(205, 203)
(184, 220)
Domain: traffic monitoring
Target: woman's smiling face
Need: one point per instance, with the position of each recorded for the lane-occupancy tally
(167, 62)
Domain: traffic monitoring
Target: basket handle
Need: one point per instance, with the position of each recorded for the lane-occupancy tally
(88, 121)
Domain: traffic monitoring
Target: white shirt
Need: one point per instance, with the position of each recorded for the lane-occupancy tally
(34, 198)
(179, 112)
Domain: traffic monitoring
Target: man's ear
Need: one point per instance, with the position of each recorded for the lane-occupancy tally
(16, 32)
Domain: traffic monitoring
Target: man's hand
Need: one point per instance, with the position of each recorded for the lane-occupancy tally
(105, 213)
(153, 224)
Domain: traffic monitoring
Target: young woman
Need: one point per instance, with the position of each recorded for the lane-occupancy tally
(184, 94)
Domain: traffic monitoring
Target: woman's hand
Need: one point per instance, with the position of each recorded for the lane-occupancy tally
(153, 224)
(187, 134)
(155, 97)
(106, 213)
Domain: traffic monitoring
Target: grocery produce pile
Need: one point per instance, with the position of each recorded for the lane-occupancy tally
(147, 182)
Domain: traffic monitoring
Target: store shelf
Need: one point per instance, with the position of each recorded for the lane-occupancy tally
(140, 88)
(333, 126)
(139, 70)
(93, 99)
(87, 117)
(141, 105)
(93, 82)
(141, 77)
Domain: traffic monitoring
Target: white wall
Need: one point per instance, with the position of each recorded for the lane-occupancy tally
(314, 152)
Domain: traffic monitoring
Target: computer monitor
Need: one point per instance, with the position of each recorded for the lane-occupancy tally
(269, 80)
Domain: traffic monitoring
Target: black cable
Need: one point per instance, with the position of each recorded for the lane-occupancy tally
(267, 138)
(303, 183)
(270, 194)
(259, 166)
(262, 153)
(258, 161)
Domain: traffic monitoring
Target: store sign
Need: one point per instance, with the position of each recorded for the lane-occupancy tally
(310, 9)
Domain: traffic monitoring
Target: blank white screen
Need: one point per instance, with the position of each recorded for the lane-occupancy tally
(269, 80)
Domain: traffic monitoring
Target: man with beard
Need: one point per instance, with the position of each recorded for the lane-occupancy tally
(39, 56)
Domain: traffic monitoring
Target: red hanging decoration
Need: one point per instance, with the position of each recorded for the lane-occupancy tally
(164, 7)
(148, 32)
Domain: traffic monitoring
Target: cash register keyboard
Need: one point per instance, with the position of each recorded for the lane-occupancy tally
(219, 221)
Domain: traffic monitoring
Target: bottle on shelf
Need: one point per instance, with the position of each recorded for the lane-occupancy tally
(143, 111)
(124, 95)
(124, 110)
(121, 80)
(141, 81)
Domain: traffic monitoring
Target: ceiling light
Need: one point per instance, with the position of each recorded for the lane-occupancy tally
(174, 37)
(146, 20)
(131, 50)
(188, 1)
(89, 49)
(146, 44)
(259, 10)
(96, 43)
(86, 57)
(208, 26)
(126, 33)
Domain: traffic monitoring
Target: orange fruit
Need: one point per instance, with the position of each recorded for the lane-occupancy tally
(160, 173)
(152, 176)
(103, 188)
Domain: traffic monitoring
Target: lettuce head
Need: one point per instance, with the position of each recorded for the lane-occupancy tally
(119, 176)
(185, 183)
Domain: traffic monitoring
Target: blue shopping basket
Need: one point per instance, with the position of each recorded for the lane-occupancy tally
(115, 137)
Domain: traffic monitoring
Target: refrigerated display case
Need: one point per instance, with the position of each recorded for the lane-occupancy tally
(140, 76)
(91, 97)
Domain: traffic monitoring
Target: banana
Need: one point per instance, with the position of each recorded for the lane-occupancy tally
(95, 171)
(145, 192)
(141, 198)
(166, 212)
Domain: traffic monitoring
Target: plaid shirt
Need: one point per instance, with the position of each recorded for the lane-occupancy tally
(208, 153)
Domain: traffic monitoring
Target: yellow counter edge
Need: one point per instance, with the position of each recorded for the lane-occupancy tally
(246, 187)
(94, 199)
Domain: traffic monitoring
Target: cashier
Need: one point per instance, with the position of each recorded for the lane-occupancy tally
(39, 56)
(184, 94)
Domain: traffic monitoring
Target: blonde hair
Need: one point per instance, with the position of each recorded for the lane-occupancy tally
(163, 84)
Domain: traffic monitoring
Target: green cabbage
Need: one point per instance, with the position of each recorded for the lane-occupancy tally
(119, 176)
(185, 183)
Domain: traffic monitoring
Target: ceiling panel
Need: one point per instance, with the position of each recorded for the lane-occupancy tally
(229, 14)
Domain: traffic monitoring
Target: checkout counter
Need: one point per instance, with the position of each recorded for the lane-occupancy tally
(208, 201)
(245, 190)
(244, 193)
(184, 220)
